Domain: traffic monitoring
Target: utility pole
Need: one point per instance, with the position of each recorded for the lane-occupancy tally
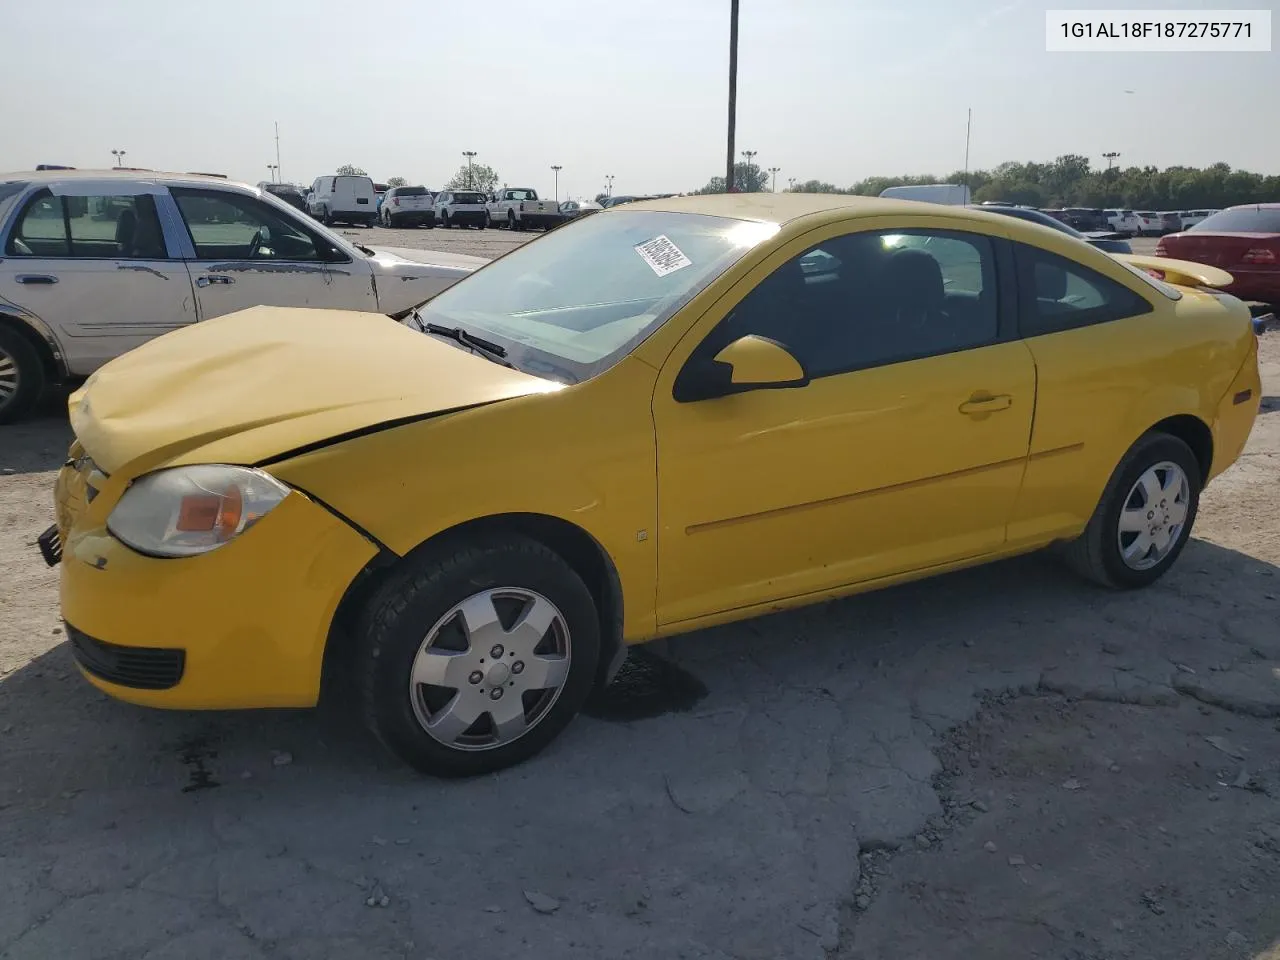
(471, 182)
(557, 168)
(608, 178)
(968, 129)
(273, 167)
(774, 171)
(279, 175)
(733, 93)
(746, 173)
(1111, 156)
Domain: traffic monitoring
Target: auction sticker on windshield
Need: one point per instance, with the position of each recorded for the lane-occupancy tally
(662, 255)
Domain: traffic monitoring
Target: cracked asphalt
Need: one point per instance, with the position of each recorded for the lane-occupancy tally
(1003, 762)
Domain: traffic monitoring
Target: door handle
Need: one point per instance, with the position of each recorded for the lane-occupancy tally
(981, 404)
(36, 278)
(213, 278)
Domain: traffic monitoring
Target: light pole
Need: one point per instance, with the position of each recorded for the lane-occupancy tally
(791, 183)
(119, 155)
(557, 168)
(279, 175)
(608, 178)
(273, 167)
(746, 173)
(1111, 158)
(733, 94)
(774, 171)
(470, 155)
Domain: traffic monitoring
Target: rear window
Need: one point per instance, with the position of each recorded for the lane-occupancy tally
(411, 191)
(520, 195)
(355, 181)
(468, 198)
(1242, 220)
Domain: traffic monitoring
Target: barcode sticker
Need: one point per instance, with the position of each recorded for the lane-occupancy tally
(662, 255)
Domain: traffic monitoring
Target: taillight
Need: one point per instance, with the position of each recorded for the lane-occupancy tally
(395, 201)
(1161, 250)
(1262, 255)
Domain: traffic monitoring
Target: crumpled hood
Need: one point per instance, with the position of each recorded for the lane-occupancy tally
(253, 384)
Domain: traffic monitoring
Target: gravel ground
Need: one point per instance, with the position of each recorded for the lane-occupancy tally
(998, 763)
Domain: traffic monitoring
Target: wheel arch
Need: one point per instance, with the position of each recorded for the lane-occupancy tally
(1195, 433)
(42, 341)
(574, 545)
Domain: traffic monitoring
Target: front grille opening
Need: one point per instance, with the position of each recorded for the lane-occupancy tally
(142, 668)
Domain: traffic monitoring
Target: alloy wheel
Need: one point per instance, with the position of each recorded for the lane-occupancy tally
(10, 378)
(1153, 516)
(490, 669)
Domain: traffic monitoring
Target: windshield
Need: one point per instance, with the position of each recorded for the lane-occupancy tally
(1241, 220)
(577, 300)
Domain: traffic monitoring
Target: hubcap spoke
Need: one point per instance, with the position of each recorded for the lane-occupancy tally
(1138, 549)
(532, 626)
(1178, 512)
(1150, 487)
(508, 718)
(1133, 520)
(544, 672)
(448, 724)
(441, 668)
(480, 619)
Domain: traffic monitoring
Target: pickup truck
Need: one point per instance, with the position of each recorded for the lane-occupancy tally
(518, 208)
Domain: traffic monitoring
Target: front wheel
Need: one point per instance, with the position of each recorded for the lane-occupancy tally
(476, 658)
(1144, 518)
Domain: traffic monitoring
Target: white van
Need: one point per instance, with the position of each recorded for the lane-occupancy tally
(343, 199)
(952, 194)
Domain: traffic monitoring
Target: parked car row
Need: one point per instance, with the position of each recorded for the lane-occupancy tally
(1132, 223)
(1110, 241)
(1242, 240)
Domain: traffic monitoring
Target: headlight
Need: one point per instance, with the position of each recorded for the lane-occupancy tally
(190, 510)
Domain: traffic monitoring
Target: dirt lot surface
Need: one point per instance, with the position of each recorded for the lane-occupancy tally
(1000, 763)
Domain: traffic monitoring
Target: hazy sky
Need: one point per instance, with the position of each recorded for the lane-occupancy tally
(833, 89)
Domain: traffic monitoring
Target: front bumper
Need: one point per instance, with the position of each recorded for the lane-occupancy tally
(242, 626)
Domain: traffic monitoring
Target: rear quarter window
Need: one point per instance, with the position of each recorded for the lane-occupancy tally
(1056, 294)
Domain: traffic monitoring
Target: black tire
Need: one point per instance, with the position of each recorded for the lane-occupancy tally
(29, 372)
(326, 217)
(398, 615)
(512, 224)
(1095, 554)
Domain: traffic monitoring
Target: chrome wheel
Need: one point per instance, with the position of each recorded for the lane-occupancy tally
(10, 378)
(1153, 516)
(490, 669)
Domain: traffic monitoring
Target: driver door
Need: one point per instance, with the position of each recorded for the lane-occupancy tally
(905, 450)
(249, 253)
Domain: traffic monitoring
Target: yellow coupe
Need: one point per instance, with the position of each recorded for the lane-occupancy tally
(670, 415)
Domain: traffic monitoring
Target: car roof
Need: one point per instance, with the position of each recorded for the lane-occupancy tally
(1255, 206)
(782, 208)
(116, 173)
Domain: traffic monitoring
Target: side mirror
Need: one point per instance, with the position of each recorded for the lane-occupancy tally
(749, 363)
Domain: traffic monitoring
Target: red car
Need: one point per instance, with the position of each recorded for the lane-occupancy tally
(1244, 241)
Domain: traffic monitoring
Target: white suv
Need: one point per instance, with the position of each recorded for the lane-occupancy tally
(461, 208)
(1123, 221)
(408, 207)
(95, 263)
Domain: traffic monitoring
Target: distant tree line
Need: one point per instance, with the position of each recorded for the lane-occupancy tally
(1070, 181)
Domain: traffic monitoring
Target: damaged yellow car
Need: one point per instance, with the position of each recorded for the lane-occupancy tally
(674, 414)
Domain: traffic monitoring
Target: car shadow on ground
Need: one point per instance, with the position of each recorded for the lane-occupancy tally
(1021, 614)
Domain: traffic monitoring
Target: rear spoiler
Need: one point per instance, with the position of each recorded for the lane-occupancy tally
(1181, 273)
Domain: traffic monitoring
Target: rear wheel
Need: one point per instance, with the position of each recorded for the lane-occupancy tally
(476, 657)
(512, 224)
(1144, 518)
(21, 376)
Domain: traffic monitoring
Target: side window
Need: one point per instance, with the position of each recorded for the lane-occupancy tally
(870, 299)
(91, 228)
(1058, 294)
(227, 226)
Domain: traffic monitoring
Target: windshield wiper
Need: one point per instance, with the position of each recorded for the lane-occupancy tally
(493, 351)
